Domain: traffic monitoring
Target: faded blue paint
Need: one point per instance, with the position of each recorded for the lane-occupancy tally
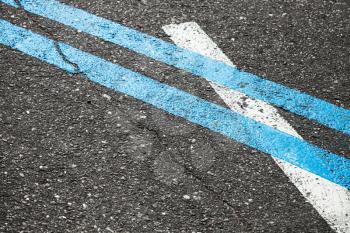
(10, 2)
(292, 100)
(217, 118)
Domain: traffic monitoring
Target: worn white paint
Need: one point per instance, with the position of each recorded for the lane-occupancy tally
(329, 199)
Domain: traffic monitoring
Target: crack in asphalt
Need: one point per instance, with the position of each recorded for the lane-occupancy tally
(192, 171)
(65, 59)
(56, 43)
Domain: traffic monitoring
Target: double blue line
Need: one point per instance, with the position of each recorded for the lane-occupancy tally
(289, 99)
(214, 117)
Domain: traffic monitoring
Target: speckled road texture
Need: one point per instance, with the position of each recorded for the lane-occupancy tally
(77, 157)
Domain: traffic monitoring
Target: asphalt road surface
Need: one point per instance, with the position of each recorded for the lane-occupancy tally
(79, 157)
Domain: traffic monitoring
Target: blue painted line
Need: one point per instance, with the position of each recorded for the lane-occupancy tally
(292, 100)
(172, 100)
(10, 2)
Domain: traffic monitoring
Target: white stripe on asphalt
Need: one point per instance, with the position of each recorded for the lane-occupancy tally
(332, 201)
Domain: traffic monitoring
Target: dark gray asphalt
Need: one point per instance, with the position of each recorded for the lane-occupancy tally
(77, 157)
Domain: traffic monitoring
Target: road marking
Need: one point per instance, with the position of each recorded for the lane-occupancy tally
(329, 199)
(177, 102)
(191, 36)
(215, 71)
(10, 2)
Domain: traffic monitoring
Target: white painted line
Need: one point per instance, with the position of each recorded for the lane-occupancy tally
(191, 36)
(332, 201)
